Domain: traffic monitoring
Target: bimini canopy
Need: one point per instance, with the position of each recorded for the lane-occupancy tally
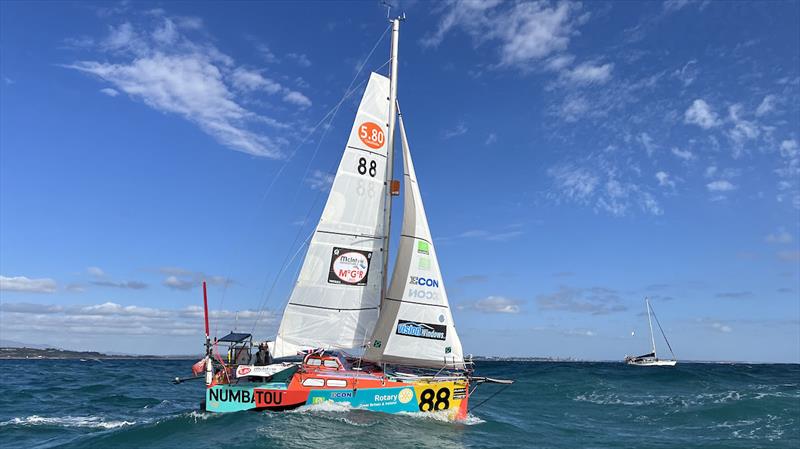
(235, 337)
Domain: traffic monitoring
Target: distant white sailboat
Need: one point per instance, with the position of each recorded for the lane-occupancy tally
(651, 359)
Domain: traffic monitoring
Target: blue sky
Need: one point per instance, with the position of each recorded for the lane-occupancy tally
(573, 158)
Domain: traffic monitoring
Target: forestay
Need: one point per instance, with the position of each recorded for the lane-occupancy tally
(334, 304)
(415, 326)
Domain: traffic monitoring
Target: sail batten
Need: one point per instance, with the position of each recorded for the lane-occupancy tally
(335, 302)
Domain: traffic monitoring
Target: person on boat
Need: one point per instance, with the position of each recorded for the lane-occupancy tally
(263, 357)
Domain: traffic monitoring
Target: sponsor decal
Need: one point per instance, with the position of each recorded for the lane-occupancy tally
(423, 247)
(459, 393)
(376, 344)
(266, 397)
(422, 294)
(431, 400)
(385, 398)
(259, 371)
(425, 282)
(371, 134)
(405, 396)
(424, 263)
(341, 394)
(448, 350)
(349, 266)
(421, 330)
(260, 398)
(318, 400)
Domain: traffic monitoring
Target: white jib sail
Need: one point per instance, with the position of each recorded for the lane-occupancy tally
(335, 302)
(415, 326)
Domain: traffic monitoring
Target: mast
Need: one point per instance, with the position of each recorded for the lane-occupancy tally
(390, 148)
(650, 322)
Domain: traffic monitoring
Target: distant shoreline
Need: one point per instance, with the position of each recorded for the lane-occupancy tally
(7, 353)
(63, 354)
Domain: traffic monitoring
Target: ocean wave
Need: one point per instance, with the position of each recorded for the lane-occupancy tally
(326, 406)
(444, 416)
(67, 421)
(345, 407)
(338, 411)
(702, 399)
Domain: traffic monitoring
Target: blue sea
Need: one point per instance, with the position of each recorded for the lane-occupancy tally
(132, 404)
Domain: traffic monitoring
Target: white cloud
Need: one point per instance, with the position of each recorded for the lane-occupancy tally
(182, 279)
(246, 80)
(789, 173)
(301, 59)
(132, 285)
(767, 105)
(587, 73)
(264, 51)
(720, 327)
(573, 108)
(319, 180)
(95, 271)
(674, 5)
(109, 91)
(559, 62)
(497, 235)
(701, 114)
(110, 319)
(456, 14)
(575, 182)
(179, 284)
(532, 31)
(742, 131)
(490, 139)
(780, 237)
(493, 304)
(296, 98)
(687, 73)
(527, 32)
(458, 130)
(664, 179)
(788, 148)
(686, 155)
(598, 182)
(594, 300)
(251, 80)
(647, 143)
(721, 185)
(166, 33)
(27, 285)
(169, 72)
(649, 204)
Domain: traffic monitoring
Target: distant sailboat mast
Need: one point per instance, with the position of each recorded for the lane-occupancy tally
(650, 322)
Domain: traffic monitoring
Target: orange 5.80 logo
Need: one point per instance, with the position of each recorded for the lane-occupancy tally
(371, 134)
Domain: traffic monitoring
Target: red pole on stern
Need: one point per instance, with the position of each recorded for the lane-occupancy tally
(209, 367)
(205, 308)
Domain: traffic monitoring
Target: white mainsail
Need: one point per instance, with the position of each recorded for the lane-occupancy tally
(335, 302)
(415, 326)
